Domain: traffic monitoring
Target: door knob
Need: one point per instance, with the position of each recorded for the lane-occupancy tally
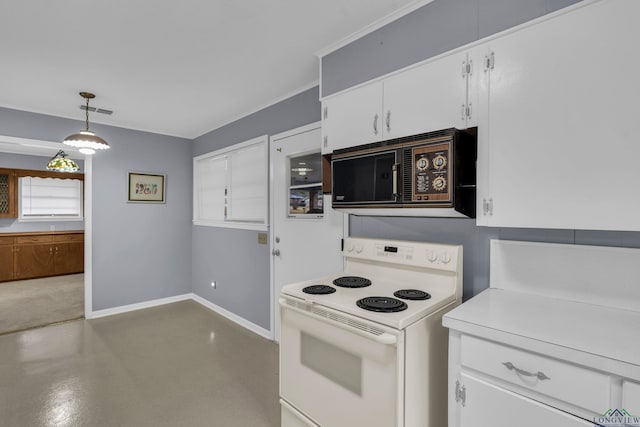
(275, 252)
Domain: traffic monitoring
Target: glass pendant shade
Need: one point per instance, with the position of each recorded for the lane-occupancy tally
(87, 141)
(60, 163)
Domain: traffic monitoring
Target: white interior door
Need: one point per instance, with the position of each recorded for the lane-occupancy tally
(305, 232)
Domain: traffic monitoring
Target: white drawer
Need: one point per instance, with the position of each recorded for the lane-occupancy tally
(631, 397)
(573, 384)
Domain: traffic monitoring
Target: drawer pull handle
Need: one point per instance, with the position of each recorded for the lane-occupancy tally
(540, 375)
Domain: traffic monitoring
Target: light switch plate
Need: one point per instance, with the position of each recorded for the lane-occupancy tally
(262, 238)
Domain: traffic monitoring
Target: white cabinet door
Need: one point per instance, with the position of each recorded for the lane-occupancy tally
(488, 405)
(426, 98)
(352, 118)
(562, 105)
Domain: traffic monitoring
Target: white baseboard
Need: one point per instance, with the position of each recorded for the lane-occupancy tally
(138, 306)
(233, 317)
(191, 296)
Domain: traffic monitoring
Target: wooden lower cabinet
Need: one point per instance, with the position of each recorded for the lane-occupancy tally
(33, 255)
(68, 258)
(33, 260)
(6, 263)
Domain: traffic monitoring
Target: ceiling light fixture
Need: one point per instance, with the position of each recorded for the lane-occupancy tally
(60, 163)
(87, 141)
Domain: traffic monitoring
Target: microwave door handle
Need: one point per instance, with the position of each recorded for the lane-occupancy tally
(394, 169)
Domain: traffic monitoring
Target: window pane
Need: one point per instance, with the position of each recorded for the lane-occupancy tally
(247, 199)
(305, 200)
(306, 169)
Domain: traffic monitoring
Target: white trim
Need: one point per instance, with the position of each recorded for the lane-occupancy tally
(35, 147)
(296, 131)
(230, 224)
(88, 236)
(376, 25)
(138, 306)
(268, 104)
(233, 317)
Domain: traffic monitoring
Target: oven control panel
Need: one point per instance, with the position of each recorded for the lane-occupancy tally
(419, 254)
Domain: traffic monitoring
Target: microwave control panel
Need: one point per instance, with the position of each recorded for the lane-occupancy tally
(431, 176)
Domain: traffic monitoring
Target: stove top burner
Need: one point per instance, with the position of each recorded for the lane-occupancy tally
(352, 282)
(319, 290)
(382, 304)
(411, 294)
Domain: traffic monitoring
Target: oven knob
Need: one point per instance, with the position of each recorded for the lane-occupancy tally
(422, 164)
(439, 183)
(432, 256)
(359, 248)
(350, 247)
(439, 162)
(445, 257)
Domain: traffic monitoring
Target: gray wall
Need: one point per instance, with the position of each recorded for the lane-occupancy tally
(231, 257)
(140, 252)
(433, 29)
(12, 225)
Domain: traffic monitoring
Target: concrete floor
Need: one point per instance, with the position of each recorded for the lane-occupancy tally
(174, 365)
(26, 304)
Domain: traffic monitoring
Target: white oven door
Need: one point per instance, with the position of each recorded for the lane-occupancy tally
(339, 370)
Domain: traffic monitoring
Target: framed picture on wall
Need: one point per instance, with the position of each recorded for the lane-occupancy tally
(146, 187)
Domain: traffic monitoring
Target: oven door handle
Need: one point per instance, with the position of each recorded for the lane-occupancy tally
(384, 338)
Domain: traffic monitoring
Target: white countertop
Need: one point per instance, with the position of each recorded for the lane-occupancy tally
(601, 337)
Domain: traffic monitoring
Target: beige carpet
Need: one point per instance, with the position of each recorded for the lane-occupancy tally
(26, 304)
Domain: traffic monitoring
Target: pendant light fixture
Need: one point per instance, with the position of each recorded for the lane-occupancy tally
(87, 141)
(60, 163)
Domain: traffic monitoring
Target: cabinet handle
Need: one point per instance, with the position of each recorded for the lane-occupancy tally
(464, 69)
(540, 375)
(394, 169)
(375, 124)
(326, 142)
(50, 250)
(469, 111)
(325, 112)
(463, 111)
(389, 121)
(470, 68)
(461, 394)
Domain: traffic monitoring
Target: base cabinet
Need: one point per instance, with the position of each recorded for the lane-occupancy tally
(486, 404)
(34, 255)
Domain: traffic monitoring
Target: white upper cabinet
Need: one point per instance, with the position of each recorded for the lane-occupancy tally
(352, 118)
(558, 110)
(425, 98)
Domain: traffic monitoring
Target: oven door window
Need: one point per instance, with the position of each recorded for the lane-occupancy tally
(364, 179)
(332, 362)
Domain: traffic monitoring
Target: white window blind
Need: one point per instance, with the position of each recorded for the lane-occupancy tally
(50, 197)
(231, 186)
(212, 181)
(247, 192)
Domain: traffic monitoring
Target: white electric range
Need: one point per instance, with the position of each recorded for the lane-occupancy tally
(366, 346)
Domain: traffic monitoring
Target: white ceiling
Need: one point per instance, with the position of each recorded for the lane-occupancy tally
(178, 68)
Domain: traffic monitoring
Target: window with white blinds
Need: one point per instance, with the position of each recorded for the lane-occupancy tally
(231, 186)
(50, 198)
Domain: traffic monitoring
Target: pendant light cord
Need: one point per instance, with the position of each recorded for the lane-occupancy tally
(87, 114)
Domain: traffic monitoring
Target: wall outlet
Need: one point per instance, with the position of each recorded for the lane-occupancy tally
(213, 284)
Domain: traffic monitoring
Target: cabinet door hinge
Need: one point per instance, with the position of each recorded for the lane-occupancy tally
(461, 394)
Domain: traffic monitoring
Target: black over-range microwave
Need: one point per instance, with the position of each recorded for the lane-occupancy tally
(430, 170)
